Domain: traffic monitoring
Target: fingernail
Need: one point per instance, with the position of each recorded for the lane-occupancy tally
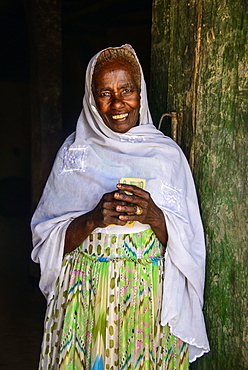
(118, 208)
(116, 195)
(118, 185)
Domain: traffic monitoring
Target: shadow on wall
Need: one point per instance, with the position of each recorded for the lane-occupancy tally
(22, 304)
(15, 199)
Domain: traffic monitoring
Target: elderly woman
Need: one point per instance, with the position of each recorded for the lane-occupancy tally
(118, 235)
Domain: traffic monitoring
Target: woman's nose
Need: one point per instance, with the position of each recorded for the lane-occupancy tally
(116, 102)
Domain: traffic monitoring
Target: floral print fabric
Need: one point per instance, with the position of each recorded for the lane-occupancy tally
(106, 310)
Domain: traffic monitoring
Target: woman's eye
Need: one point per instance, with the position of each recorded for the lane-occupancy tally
(105, 94)
(126, 91)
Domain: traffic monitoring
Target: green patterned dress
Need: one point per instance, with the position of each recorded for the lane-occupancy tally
(106, 310)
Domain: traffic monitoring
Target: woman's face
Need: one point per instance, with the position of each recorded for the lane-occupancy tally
(117, 96)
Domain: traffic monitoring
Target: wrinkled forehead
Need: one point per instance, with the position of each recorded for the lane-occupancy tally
(112, 58)
(107, 68)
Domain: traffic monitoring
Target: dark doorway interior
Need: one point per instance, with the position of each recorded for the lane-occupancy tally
(91, 28)
(87, 27)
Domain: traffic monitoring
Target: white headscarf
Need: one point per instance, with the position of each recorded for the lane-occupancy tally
(90, 163)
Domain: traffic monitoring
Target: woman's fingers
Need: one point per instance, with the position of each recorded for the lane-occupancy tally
(128, 203)
(133, 194)
(133, 190)
(106, 210)
(113, 205)
(146, 211)
(139, 203)
(132, 209)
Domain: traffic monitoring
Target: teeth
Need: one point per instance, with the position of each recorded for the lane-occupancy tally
(120, 116)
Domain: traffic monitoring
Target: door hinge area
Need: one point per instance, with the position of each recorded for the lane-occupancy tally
(176, 125)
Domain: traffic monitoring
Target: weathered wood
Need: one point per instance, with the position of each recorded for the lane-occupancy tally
(207, 83)
(44, 21)
(221, 175)
(160, 61)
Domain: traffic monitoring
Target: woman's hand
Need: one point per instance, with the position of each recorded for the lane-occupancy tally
(106, 213)
(103, 215)
(148, 213)
(117, 208)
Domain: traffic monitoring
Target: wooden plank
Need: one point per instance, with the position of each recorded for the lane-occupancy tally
(160, 59)
(221, 176)
(44, 21)
(206, 80)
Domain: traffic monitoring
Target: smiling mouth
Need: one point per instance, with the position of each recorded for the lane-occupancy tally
(120, 116)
